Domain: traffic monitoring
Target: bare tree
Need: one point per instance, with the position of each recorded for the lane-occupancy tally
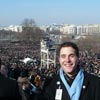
(90, 42)
(28, 22)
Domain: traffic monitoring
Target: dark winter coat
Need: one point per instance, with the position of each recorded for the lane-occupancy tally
(9, 89)
(90, 89)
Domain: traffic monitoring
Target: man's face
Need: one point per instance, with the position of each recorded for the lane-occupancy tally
(68, 60)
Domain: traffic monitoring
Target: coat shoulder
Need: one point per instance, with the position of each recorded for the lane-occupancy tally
(92, 78)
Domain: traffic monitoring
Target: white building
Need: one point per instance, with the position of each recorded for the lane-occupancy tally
(15, 28)
(89, 29)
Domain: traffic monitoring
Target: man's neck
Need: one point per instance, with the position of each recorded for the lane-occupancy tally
(73, 74)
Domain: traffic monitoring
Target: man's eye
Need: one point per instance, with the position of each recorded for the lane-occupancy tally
(62, 56)
(72, 55)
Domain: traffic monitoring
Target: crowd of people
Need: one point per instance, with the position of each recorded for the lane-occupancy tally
(31, 77)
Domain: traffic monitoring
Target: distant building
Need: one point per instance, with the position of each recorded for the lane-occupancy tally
(14, 28)
(89, 29)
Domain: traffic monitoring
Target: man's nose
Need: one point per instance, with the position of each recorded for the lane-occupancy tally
(67, 58)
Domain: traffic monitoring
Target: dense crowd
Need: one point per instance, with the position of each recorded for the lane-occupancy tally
(31, 77)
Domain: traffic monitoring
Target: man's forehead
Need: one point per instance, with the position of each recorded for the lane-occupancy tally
(66, 49)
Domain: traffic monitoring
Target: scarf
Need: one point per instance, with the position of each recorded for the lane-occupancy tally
(75, 89)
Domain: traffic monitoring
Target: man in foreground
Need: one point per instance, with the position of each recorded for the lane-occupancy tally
(72, 82)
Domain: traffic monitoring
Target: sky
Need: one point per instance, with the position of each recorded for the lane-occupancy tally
(47, 12)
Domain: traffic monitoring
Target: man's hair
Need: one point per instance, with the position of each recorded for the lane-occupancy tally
(69, 44)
